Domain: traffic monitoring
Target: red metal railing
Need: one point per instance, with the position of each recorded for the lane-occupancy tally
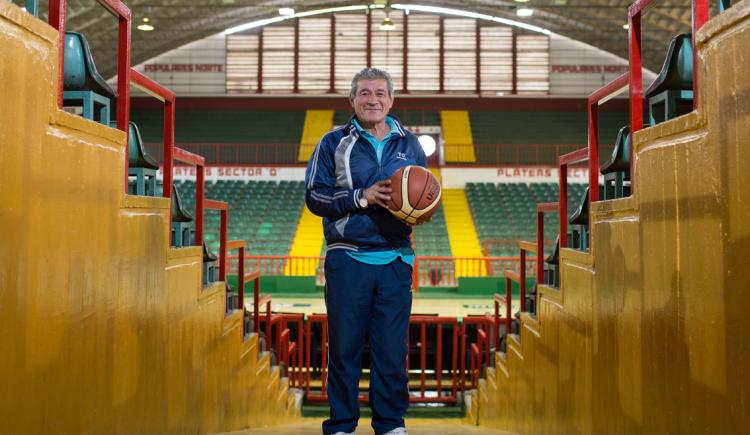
(244, 153)
(199, 162)
(520, 154)
(596, 99)
(167, 97)
(56, 19)
(210, 204)
(700, 16)
(445, 271)
(478, 349)
(439, 322)
(428, 271)
(433, 385)
(541, 209)
(563, 162)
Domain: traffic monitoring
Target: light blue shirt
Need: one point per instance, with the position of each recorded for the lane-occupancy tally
(381, 257)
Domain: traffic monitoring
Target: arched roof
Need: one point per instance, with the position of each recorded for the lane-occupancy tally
(177, 22)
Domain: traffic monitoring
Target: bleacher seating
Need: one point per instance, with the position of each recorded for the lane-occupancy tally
(431, 239)
(617, 170)
(141, 164)
(671, 94)
(507, 212)
(579, 223)
(262, 213)
(83, 86)
(183, 230)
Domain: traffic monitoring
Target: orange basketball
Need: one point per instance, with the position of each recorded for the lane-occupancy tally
(416, 194)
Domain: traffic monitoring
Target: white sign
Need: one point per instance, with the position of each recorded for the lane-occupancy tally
(456, 178)
(243, 173)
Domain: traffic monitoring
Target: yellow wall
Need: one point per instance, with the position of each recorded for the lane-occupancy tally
(650, 333)
(105, 329)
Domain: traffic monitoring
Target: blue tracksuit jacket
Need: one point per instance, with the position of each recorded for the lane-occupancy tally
(342, 166)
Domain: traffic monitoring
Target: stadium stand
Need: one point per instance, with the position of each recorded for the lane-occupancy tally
(459, 142)
(317, 123)
(506, 213)
(671, 94)
(262, 213)
(431, 239)
(200, 131)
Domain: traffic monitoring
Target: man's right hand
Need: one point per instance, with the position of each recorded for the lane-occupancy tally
(379, 193)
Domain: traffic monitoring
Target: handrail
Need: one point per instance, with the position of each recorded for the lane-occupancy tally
(562, 163)
(541, 209)
(56, 19)
(699, 18)
(180, 155)
(527, 246)
(151, 87)
(242, 277)
(223, 207)
(596, 99)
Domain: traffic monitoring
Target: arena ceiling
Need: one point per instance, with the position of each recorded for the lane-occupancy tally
(177, 22)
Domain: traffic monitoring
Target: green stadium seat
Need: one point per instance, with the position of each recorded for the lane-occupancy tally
(671, 94)
(579, 222)
(141, 164)
(182, 231)
(83, 86)
(552, 266)
(209, 266)
(617, 170)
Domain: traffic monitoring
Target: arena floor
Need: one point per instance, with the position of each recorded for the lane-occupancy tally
(458, 307)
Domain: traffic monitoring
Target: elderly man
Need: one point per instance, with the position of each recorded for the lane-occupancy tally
(369, 258)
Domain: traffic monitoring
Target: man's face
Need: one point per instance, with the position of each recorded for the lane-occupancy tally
(372, 102)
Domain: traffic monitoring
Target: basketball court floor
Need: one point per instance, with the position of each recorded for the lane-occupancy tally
(454, 307)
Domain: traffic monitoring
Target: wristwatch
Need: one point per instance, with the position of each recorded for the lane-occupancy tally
(363, 202)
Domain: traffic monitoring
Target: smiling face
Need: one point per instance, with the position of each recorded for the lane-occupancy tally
(372, 102)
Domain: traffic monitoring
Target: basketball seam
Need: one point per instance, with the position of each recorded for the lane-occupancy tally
(413, 208)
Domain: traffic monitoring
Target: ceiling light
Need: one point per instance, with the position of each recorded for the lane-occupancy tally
(521, 1)
(411, 7)
(387, 24)
(286, 11)
(428, 144)
(145, 26)
(525, 12)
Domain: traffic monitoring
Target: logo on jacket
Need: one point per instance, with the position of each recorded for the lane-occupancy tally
(401, 156)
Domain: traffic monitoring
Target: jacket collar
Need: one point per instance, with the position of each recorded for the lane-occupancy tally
(351, 128)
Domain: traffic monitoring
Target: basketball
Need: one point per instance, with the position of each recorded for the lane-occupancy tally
(416, 194)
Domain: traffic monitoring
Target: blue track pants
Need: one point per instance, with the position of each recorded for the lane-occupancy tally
(373, 302)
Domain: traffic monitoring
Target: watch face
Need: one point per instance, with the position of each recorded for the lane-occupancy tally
(363, 202)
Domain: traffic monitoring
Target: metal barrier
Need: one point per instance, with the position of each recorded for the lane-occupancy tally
(700, 16)
(439, 379)
(210, 204)
(56, 19)
(437, 395)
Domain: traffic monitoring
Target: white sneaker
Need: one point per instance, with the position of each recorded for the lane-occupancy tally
(343, 433)
(398, 431)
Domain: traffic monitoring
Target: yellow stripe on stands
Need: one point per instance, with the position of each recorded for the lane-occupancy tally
(308, 240)
(459, 143)
(317, 123)
(462, 234)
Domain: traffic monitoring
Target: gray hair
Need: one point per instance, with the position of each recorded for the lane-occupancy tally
(371, 74)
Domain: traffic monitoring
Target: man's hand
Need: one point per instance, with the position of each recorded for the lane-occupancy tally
(379, 193)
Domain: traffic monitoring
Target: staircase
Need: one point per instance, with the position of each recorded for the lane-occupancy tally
(317, 123)
(461, 232)
(307, 243)
(459, 143)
